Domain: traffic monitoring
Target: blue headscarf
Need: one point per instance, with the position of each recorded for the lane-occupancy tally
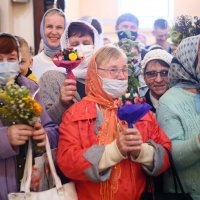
(185, 68)
(49, 51)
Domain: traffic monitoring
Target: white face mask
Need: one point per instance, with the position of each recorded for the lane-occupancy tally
(85, 50)
(114, 88)
(8, 70)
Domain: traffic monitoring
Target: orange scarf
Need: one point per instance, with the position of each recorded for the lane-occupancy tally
(110, 127)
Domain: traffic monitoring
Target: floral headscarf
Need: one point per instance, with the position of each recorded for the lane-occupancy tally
(49, 51)
(185, 69)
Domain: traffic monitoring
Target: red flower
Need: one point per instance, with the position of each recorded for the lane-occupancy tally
(139, 100)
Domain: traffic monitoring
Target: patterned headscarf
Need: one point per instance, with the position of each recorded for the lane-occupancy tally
(49, 51)
(185, 69)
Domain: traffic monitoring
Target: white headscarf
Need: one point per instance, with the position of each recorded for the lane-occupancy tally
(81, 70)
(91, 20)
(64, 41)
(50, 51)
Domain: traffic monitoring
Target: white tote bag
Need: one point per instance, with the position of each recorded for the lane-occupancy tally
(59, 192)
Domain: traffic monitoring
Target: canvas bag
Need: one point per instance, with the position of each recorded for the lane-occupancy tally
(41, 177)
(59, 192)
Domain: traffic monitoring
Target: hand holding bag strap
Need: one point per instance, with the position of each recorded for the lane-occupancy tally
(26, 180)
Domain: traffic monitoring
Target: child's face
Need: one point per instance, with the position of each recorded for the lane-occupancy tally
(26, 61)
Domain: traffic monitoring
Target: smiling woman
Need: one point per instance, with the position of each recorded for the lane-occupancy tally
(53, 29)
(52, 26)
(155, 66)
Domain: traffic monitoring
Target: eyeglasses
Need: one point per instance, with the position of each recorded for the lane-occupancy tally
(115, 72)
(154, 74)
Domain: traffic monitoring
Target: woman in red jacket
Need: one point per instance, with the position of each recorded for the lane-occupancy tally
(104, 158)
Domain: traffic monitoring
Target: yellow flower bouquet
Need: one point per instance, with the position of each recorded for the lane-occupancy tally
(17, 105)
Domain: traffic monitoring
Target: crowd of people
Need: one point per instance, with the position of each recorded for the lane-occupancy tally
(104, 156)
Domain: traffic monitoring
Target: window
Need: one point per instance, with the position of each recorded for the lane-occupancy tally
(147, 11)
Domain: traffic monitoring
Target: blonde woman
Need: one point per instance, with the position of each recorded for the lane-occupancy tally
(51, 29)
(104, 158)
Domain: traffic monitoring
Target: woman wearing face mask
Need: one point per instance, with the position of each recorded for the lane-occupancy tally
(59, 93)
(51, 29)
(96, 23)
(13, 139)
(104, 158)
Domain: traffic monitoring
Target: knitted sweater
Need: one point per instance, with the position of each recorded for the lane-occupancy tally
(50, 83)
(178, 118)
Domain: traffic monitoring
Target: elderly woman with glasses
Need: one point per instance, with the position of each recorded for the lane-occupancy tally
(178, 113)
(105, 158)
(155, 67)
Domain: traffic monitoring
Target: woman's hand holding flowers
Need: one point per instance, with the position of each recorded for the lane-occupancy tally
(20, 112)
(19, 134)
(130, 141)
(39, 135)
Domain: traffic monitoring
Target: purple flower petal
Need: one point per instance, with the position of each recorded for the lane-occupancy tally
(132, 113)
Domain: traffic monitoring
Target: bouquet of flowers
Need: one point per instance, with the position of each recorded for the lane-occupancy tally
(132, 98)
(69, 59)
(131, 49)
(17, 106)
(185, 26)
(132, 108)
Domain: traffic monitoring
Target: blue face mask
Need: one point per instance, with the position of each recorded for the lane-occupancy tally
(127, 34)
(8, 70)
